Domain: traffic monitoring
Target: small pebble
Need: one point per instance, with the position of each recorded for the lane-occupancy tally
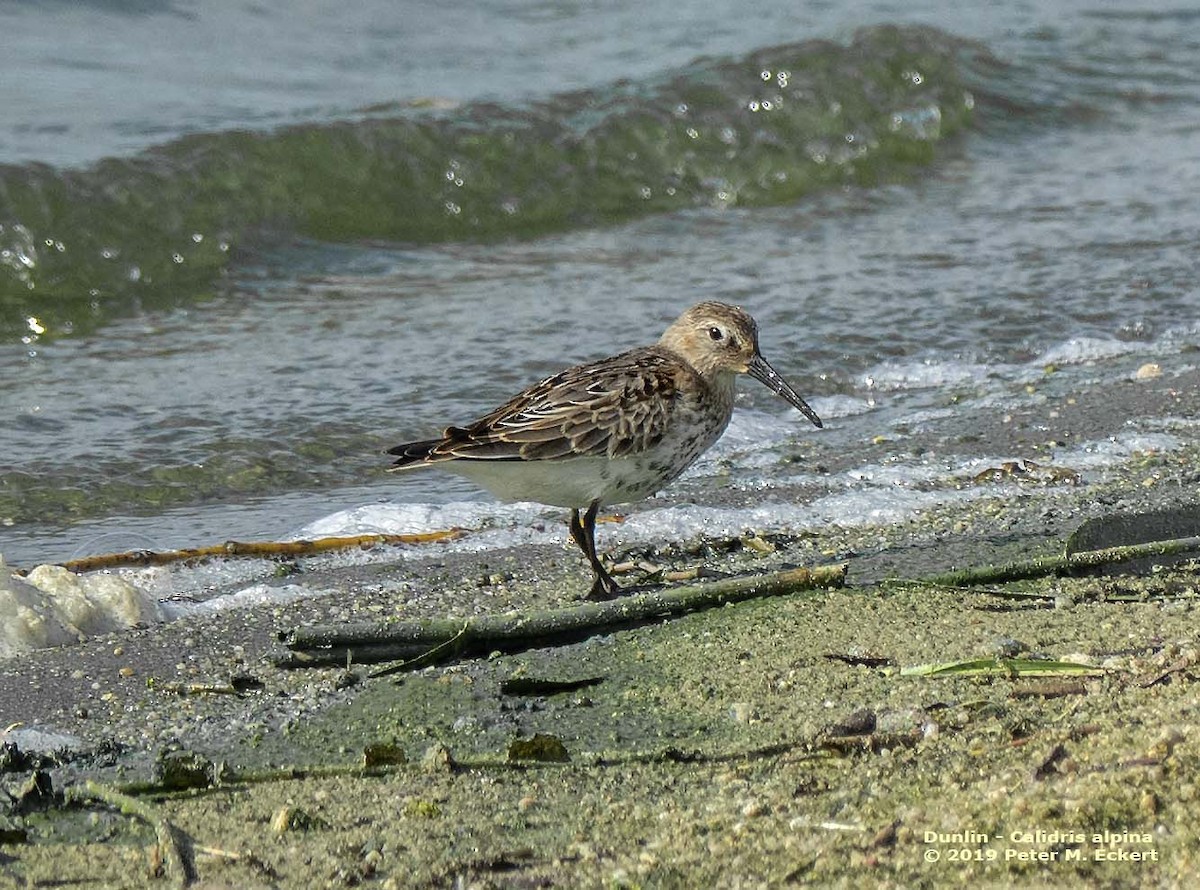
(437, 759)
(741, 712)
(1007, 647)
(901, 720)
(861, 722)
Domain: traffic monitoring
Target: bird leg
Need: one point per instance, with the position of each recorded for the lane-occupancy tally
(583, 533)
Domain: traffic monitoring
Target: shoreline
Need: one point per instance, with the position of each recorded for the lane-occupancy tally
(774, 741)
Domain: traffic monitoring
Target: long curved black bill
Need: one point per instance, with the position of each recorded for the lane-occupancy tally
(764, 373)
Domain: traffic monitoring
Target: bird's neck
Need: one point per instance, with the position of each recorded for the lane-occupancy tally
(722, 384)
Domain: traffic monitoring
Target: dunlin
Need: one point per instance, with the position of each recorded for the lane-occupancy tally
(611, 431)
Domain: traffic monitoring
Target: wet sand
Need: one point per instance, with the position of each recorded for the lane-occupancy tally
(770, 743)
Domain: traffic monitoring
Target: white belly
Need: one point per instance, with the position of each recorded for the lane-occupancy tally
(578, 481)
(575, 482)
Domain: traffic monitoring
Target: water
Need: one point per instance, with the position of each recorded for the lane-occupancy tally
(243, 249)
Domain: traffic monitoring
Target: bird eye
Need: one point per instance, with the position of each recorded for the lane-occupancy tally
(716, 333)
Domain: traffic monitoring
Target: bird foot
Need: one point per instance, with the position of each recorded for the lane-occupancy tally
(604, 588)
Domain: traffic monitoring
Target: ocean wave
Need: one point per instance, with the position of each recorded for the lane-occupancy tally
(161, 228)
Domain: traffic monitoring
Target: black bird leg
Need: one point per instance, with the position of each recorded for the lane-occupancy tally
(584, 534)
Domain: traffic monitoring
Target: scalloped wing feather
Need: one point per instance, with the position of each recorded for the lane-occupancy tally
(614, 408)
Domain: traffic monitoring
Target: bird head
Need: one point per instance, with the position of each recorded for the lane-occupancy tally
(720, 340)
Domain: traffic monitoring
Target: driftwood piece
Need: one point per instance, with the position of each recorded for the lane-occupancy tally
(263, 549)
(1064, 564)
(421, 643)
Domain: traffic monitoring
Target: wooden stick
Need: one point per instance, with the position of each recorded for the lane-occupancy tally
(164, 831)
(420, 643)
(1061, 565)
(268, 549)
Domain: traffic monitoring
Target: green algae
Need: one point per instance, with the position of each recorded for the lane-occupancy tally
(540, 747)
(1013, 667)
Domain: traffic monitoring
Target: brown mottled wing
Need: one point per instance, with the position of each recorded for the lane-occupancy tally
(612, 408)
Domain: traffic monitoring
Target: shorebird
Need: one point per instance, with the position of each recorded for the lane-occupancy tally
(612, 431)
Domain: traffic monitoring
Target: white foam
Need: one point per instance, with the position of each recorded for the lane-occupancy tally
(898, 474)
(757, 430)
(406, 518)
(891, 376)
(52, 607)
(1080, 350)
(258, 595)
(835, 406)
(1102, 453)
(851, 508)
(177, 585)
(936, 372)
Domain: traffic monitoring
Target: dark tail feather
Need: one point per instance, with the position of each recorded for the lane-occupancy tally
(412, 453)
